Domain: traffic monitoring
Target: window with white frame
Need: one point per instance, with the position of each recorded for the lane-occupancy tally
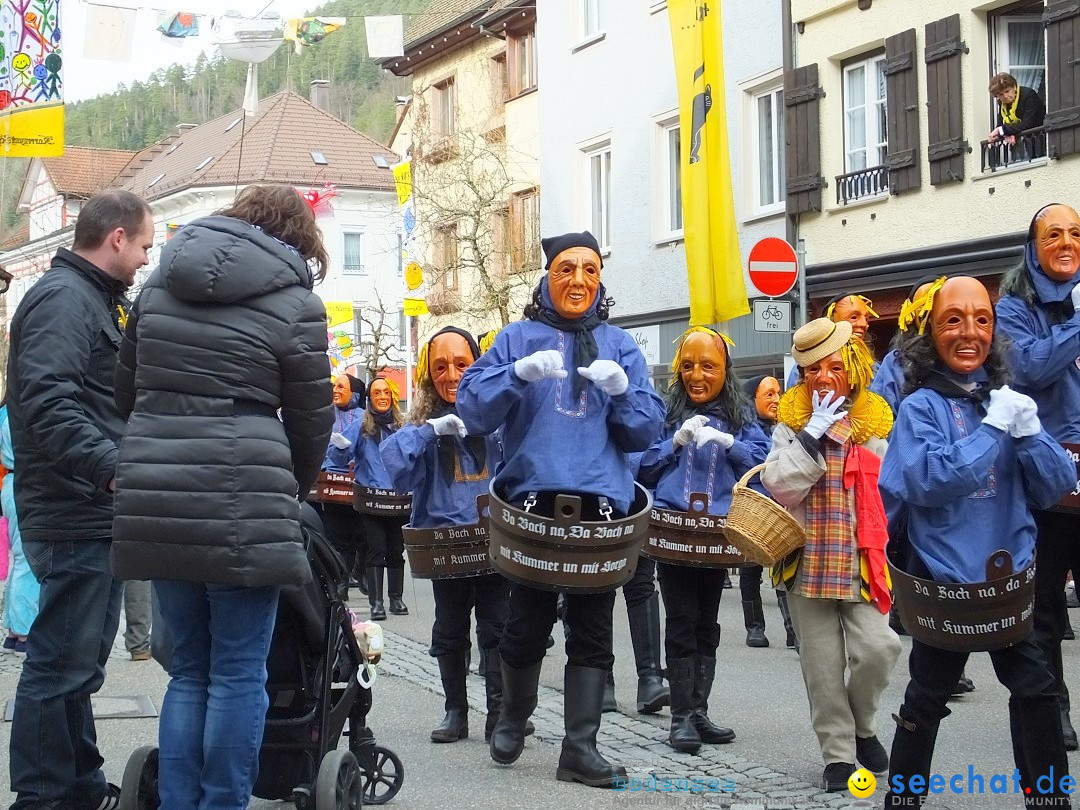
(767, 139)
(591, 23)
(353, 262)
(668, 180)
(865, 134)
(1018, 45)
(598, 192)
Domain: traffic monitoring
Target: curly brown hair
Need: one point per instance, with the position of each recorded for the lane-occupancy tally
(281, 212)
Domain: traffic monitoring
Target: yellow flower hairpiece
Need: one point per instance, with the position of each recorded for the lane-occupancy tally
(917, 311)
(681, 339)
(869, 305)
(487, 339)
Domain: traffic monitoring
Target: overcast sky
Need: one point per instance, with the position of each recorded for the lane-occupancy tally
(85, 78)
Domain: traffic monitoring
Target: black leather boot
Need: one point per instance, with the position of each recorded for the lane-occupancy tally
(455, 726)
(610, 703)
(703, 681)
(912, 755)
(395, 586)
(375, 593)
(1039, 748)
(1067, 730)
(493, 685)
(683, 735)
(754, 619)
(519, 701)
(652, 694)
(583, 696)
(481, 665)
(789, 628)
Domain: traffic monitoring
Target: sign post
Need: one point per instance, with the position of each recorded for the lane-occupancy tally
(774, 267)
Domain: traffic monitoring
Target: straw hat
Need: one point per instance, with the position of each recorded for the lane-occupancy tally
(818, 339)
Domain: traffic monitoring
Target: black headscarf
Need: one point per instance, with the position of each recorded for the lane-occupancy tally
(447, 448)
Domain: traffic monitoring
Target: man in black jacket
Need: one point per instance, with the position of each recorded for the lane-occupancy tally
(65, 428)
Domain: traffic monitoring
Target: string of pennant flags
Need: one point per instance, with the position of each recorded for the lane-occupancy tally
(111, 31)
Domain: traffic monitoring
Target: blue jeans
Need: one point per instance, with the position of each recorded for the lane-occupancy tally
(215, 707)
(54, 754)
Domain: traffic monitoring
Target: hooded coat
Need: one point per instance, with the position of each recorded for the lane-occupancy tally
(224, 334)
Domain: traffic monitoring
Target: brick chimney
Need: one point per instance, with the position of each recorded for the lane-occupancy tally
(320, 94)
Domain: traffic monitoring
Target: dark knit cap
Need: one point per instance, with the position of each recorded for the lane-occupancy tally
(554, 245)
(357, 385)
(751, 385)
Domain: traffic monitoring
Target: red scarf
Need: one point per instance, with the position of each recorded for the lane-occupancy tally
(861, 471)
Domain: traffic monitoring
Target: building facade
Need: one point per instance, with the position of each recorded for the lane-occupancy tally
(892, 175)
(471, 131)
(610, 155)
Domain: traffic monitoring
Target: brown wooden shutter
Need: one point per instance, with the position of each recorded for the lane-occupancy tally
(902, 112)
(947, 146)
(1062, 21)
(802, 131)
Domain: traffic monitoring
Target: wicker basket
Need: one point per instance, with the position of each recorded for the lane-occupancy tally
(760, 527)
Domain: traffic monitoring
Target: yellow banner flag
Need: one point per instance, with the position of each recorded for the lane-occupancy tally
(415, 307)
(338, 313)
(403, 181)
(714, 266)
(31, 81)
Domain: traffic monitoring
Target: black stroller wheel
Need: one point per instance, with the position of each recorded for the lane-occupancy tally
(339, 784)
(139, 788)
(383, 774)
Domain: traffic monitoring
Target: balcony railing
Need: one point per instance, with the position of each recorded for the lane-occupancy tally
(1029, 146)
(858, 185)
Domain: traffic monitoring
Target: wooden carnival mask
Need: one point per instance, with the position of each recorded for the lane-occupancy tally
(962, 324)
(381, 397)
(342, 391)
(448, 357)
(767, 398)
(828, 374)
(573, 280)
(1057, 242)
(703, 366)
(855, 309)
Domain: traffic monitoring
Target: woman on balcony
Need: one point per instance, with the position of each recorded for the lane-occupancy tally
(1019, 109)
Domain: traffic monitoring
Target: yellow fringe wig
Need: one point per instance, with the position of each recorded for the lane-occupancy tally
(863, 298)
(681, 339)
(917, 312)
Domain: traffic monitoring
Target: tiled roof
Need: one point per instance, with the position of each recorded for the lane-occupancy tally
(16, 237)
(82, 171)
(449, 11)
(276, 147)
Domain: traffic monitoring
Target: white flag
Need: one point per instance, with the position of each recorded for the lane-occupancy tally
(110, 33)
(385, 36)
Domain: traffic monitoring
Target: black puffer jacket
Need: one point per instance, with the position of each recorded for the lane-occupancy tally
(224, 333)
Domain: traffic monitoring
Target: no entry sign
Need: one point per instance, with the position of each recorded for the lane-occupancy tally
(773, 266)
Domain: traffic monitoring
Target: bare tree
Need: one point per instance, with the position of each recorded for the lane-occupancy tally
(380, 344)
(482, 253)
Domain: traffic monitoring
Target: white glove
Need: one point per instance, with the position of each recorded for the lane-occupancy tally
(685, 434)
(540, 366)
(1005, 406)
(449, 425)
(339, 441)
(608, 376)
(711, 434)
(826, 413)
(1027, 419)
(1075, 294)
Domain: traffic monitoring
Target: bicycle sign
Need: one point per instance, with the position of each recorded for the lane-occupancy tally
(772, 316)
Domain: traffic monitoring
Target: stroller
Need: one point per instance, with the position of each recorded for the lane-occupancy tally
(312, 682)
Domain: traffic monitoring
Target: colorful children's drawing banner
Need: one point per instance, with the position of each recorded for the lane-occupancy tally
(31, 83)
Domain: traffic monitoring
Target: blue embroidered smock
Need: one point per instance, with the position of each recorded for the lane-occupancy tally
(411, 456)
(368, 467)
(337, 459)
(967, 488)
(889, 380)
(552, 441)
(1045, 356)
(673, 474)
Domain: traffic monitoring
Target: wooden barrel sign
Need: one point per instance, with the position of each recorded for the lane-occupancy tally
(385, 502)
(450, 553)
(332, 487)
(693, 538)
(563, 552)
(975, 617)
(1071, 502)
